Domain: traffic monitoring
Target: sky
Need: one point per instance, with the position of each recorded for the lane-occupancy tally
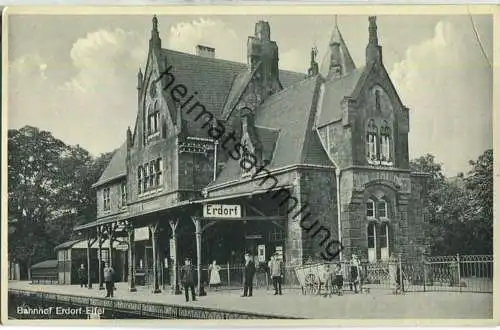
(75, 76)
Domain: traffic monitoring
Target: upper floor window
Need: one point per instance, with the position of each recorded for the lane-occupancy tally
(106, 206)
(371, 140)
(385, 142)
(150, 176)
(378, 144)
(153, 120)
(139, 179)
(123, 194)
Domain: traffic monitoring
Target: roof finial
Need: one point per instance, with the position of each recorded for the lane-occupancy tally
(336, 17)
(155, 23)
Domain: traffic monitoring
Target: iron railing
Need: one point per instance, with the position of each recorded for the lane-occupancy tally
(114, 308)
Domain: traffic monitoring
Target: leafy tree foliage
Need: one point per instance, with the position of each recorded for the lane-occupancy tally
(459, 209)
(48, 192)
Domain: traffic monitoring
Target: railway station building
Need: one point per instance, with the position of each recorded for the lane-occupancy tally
(227, 158)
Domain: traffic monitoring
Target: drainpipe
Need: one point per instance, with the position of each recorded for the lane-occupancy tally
(338, 171)
(215, 158)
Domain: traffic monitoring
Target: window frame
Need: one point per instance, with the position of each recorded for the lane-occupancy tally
(124, 194)
(106, 201)
(372, 202)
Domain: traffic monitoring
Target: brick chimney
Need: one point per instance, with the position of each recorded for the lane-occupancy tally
(205, 51)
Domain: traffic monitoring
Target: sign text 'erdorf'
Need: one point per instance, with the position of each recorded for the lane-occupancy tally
(221, 211)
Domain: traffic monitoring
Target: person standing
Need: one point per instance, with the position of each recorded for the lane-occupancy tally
(109, 276)
(188, 279)
(355, 272)
(248, 274)
(214, 275)
(82, 276)
(277, 271)
(339, 279)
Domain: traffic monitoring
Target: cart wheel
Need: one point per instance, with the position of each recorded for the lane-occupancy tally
(310, 283)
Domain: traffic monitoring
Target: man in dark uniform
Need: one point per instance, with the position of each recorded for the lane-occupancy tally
(248, 274)
(188, 279)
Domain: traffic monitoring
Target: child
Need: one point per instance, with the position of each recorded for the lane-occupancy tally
(339, 279)
(394, 275)
(327, 280)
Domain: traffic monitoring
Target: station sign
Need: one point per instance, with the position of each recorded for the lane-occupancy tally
(221, 211)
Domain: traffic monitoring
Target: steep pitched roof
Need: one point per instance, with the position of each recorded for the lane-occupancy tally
(116, 168)
(345, 60)
(290, 114)
(335, 91)
(214, 80)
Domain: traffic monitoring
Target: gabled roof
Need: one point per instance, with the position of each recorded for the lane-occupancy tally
(290, 114)
(45, 264)
(66, 245)
(214, 80)
(335, 91)
(116, 168)
(345, 60)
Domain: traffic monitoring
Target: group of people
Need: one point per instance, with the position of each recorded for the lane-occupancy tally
(109, 278)
(333, 278)
(188, 276)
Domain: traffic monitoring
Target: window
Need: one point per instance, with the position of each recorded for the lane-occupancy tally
(152, 173)
(382, 209)
(105, 199)
(153, 120)
(139, 179)
(371, 140)
(124, 194)
(146, 178)
(370, 209)
(159, 168)
(150, 176)
(385, 142)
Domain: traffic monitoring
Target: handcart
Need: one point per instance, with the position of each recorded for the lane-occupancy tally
(311, 278)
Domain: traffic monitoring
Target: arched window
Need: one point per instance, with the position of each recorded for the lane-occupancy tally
(139, 179)
(384, 241)
(385, 142)
(372, 242)
(370, 209)
(154, 119)
(371, 140)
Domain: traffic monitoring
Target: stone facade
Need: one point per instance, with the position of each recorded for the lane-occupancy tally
(302, 130)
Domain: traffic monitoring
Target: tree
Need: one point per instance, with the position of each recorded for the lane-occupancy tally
(480, 184)
(459, 209)
(49, 192)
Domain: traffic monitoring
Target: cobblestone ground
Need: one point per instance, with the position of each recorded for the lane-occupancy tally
(379, 304)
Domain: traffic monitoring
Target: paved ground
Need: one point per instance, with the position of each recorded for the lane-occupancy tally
(378, 304)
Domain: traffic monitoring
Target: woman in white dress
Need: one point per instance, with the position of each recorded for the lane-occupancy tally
(214, 275)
